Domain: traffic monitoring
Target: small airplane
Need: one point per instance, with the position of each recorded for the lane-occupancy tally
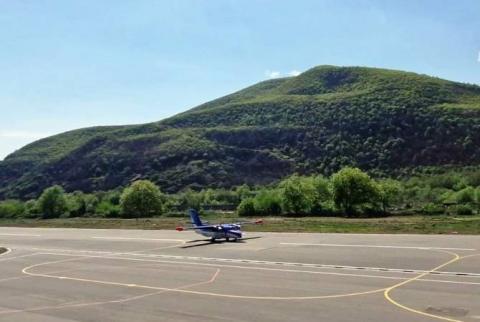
(219, 231)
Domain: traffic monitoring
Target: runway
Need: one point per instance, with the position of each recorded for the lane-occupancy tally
(134, 275)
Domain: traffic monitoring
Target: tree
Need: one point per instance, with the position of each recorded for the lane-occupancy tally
(31, 209)
(390, 192)
(11, 209)
(91, 202)
(352, 187)
(142, 199)
(246, 207)
(52, 203)
(76, 204)
(191, 199)
(466, 195)
(243, 192)
(298, 195)
(268, 202)
(322, 194)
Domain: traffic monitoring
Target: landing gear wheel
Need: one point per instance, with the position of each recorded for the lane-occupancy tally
(227, 239)
(212, 239)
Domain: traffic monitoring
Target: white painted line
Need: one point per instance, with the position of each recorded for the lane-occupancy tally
(255, 262)
(8, 250)
(247, 268)
(21, 256)
(182, 290)
(20, 235)
(378, 246)
(142, 239)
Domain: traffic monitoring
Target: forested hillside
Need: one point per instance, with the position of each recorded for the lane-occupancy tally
(382, 121)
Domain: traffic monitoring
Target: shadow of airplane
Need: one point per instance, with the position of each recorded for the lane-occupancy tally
(217, 242)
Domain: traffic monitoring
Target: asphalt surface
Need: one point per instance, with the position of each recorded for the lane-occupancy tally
(133, 275)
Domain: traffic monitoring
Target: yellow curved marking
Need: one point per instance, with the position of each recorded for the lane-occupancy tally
(179, 290)
(124, 300)
(467, 256)
(387, 291)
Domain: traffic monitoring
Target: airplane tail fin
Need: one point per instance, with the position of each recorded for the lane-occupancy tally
(195, 217)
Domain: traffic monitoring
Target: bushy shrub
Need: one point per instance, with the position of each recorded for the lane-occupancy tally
(463, 210)
(191, 199)
(243, 192)
(298, 195)
(142, 199)
(390, 193)
(52, 203)
(321, 204)
(432, 209)
(31, 209)
(352, 188)
(76, 204)
(448, 181)
(448, 197)
(466, 195)
(11, 209)
(106, 209)
(246, 207)
(268, 202)
(369, 210)
(91, 202)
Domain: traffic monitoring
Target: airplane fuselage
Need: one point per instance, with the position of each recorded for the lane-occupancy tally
(231, 231)
(221, 232)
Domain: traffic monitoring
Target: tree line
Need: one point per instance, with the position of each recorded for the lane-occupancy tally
(348, 192)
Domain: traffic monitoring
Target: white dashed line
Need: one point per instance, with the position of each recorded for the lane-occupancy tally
(254, 268)
(261, 262)
(378, 246)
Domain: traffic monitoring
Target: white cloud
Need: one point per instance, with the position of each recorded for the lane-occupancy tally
(276, 74)
(22, 135)
(272, 74)
(294, 73)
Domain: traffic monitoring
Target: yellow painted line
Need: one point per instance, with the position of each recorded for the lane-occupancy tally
(229, 266)
(387, 291)
(26, 271)
(142, 254)
(258, 268)
(123, 300)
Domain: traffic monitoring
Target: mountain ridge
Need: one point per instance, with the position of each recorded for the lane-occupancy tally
(327, 117)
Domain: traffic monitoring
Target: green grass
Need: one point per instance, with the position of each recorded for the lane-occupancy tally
(389, 225)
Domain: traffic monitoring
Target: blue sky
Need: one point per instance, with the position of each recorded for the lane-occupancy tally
(78, 63)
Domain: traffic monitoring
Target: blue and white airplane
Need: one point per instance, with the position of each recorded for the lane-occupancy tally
(220, 231)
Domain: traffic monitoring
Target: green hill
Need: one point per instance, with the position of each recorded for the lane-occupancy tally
(384, 121)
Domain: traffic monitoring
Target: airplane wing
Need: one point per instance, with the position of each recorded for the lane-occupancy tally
(219, 227)
(253, 222)
(198, 227)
